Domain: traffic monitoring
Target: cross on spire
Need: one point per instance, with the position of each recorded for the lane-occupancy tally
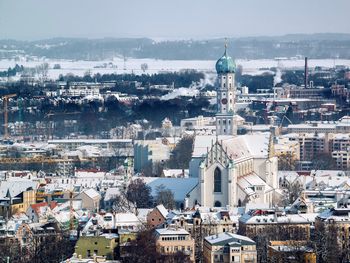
(225, 44)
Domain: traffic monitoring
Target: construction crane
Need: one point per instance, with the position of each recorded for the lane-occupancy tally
(73, 233)
(5, 100)
(281, 124)
(71, 215)
(48, 115)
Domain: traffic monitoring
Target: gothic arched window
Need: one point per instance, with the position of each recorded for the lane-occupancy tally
(217, 180)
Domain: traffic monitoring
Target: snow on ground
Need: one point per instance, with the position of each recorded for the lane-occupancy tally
(132, 65)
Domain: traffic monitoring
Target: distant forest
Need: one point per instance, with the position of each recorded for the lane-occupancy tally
(314, 46)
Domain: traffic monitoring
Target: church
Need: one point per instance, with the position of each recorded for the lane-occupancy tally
(232, 170)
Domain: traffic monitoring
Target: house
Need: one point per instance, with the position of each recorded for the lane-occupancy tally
(173, 240)
(291, 251)
(39, 211)
(277, 224)
(104, 245)
(16, 195)
(228, 247)
(157, 216)
(337, 222)
(90, 199)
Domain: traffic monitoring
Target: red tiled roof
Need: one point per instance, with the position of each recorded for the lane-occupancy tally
(36, 207)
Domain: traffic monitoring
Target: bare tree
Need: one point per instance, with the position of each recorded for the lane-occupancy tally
(42, 71)
(286, 162)
(165, 196)
(144, 67)
(326, 243)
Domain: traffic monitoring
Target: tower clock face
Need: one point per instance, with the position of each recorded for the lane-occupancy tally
(224, 101)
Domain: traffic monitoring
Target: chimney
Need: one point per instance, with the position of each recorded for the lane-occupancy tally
(305, 74)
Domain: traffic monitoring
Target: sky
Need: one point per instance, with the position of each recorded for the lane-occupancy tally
(170, 19)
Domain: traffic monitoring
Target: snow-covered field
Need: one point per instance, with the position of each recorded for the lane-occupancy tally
(117, 65)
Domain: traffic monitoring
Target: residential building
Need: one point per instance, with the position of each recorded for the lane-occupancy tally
(90, 199)
(172, 240)
(16, 195)
(41, 211)
(291, 251)
(157, 216)
(277, 225)
(123, 147)
(336, 221)
(104, 245)
(287, 149)
(228, 247)
(340, 147)
(148, 153)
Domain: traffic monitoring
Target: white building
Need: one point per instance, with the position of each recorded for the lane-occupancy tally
(232, 170)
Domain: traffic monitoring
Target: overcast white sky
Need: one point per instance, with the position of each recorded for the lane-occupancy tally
(37, 19)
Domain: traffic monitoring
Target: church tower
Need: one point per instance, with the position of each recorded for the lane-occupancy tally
(226, 92)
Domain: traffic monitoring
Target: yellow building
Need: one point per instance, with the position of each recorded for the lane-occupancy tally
(172, 240)
(277, 224)
(291, 251)
(287, 147)
(104, 245)
(228, 247)
(16, 195)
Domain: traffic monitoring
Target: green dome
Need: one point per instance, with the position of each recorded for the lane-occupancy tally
(225, 65)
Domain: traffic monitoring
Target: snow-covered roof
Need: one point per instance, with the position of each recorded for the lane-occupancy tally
(92, 193)
(111, 193)
(226, 238)
(320, 179)
(175, 173)
(15, 186)
(179, 186)
(337, 214)
(142, 214)
(89, 141)
(247, 183)
(244, 146)
(126, 218)
(308, 218)
(171, 231)
(162, 210)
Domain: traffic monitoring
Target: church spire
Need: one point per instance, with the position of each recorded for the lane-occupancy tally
(225, 47)
(226, 92)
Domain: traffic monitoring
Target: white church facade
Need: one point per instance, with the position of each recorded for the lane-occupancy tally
(232, 170)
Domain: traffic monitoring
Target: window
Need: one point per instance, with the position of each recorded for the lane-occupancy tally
(217, 180)
(217, 204)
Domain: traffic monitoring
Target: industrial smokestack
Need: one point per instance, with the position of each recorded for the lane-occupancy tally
(305, 74)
